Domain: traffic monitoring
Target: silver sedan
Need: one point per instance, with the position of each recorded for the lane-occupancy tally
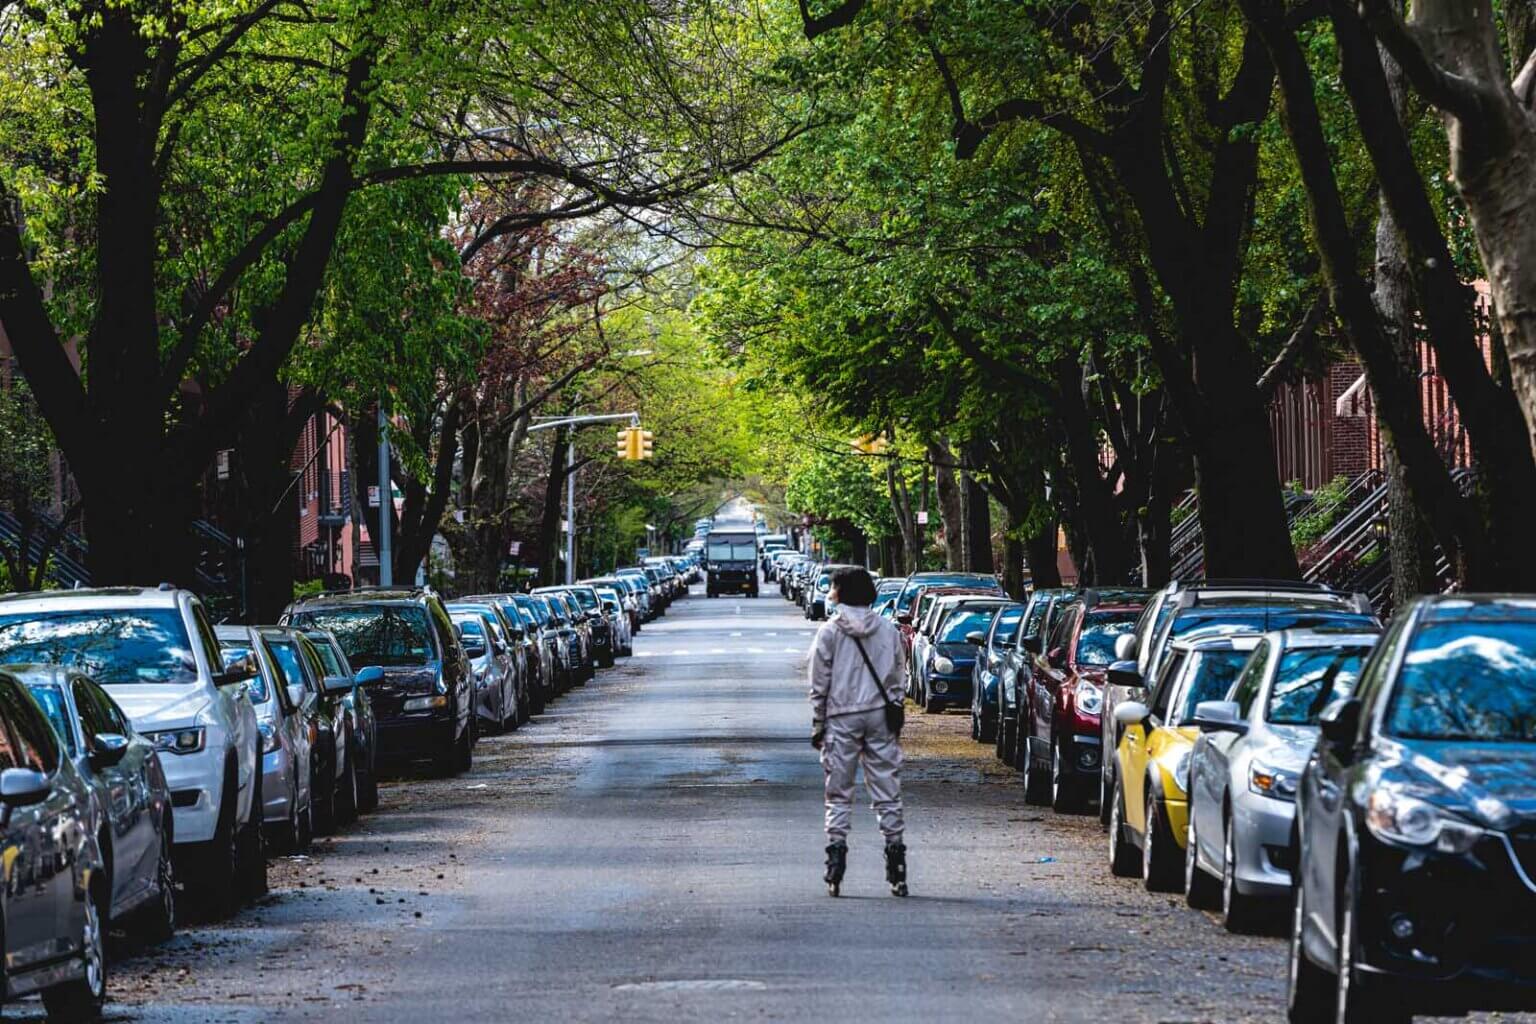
(1243, 772)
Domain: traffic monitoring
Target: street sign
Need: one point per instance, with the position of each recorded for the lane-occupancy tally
(922, 519)
(223, 464)
(373, 495)
(515, 548)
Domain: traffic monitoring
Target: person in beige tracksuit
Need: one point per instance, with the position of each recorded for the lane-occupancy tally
(849, 693)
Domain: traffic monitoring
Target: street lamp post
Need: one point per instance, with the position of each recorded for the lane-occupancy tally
(548, 422)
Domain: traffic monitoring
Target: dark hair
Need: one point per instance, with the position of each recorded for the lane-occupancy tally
(853, 586)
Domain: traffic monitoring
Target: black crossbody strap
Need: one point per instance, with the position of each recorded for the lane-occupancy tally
(879, 685)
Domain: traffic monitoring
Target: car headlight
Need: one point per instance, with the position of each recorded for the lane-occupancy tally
(1181, 771)
(943, 664)
(1090, 699)
(268, 737)
(1272, 782)
(180, 741)
(425, 703)
(1395, 818)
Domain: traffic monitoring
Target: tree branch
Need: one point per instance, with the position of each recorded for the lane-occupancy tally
(1451, 93)
(841, 15)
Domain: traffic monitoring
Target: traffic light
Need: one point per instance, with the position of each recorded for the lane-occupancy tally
(644, 439)
(622, 449)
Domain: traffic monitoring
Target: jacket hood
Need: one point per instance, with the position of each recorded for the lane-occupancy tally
(856, 620)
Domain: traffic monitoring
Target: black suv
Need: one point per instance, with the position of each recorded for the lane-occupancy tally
(1416, 824)
(406, 652)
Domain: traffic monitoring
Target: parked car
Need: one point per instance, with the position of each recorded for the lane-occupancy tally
(154, 652)
(130, 800)
(553, 669)
(365, 727)
(568, 641)
(407, 654)
(1416, 869)
(599, 620)
(1242, 779)
(289, 725)
(818, 598)
(1019, 664)
(574, 619)
(56, 900)
(909, 587)
(1150, 808)
(1064, 695)
(985, 677)
(931, 605)
(335, 775)
(616, 605)
(944, 677)
(885, 597)
(498, 700)
(533, 654)
(1181, 609)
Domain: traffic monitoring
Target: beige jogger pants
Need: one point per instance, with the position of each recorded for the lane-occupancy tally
(862, 738)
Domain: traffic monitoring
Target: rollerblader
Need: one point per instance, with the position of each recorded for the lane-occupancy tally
(856, 672)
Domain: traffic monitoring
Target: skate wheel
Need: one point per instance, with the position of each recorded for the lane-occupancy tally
(899, 889)
(833, 888)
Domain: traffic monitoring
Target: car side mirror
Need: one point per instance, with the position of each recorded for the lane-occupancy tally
(1340, 723)
(976, 637)
(1131, 712)
(1124, 673)
(297, 695)
(1219, 716)
(369, 675)
(107, 749)
(1057, 658)
(22, 787)
(1125, 647)
(338, 684)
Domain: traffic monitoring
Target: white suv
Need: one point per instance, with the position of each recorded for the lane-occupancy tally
(155, 653)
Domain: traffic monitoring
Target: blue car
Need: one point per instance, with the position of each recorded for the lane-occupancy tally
(986, 676)
(944, 677)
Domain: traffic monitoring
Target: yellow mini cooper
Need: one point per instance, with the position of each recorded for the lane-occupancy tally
(1150, 805)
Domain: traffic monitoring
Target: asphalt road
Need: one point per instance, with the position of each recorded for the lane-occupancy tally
(650, 850)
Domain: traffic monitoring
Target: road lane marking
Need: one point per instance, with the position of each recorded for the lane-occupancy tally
(754, 650)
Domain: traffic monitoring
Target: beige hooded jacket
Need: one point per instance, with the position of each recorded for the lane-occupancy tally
(840, 682)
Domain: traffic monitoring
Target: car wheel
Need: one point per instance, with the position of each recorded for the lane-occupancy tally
(1037, 785)
(1000, 738)
(1122, 855)
(975, 725)
(1309, 989)
(251, 863)
(346, 803)
(322, 796)
(987, 730)
(1106, 791)
(464, 755)
(1199, 888)
(1358, 998)
(158, 921)
(1160, 871)
(215, 876)
(368, 790)
(1066, 790)
(82, 999)
(1238, 912)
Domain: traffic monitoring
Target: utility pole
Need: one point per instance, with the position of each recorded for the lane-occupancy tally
(548, 422)
(386, 505)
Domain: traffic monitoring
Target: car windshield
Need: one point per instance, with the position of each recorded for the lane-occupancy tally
(235, 650)
(529, 607)
(732, 550)
(1308, 678)
(908, 592)
(963, 621)
(384, 635)
(1468, 680)
(51, 699)
(1007, 626)
(115, 647)
(469, 624)
(1096, 642)
(587, 599)
(1209, 677)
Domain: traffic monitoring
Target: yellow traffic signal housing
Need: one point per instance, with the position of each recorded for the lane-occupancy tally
(645, 448)
(622, 449)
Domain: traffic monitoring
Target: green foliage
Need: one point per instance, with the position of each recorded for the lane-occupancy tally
(1327, 508)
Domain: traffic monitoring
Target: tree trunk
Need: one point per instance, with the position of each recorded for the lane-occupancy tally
(978, 527)
(1098, 523)
(1013, 556)
(549, 520)
(1411, 545)
(1040, 554)
(949, 503)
